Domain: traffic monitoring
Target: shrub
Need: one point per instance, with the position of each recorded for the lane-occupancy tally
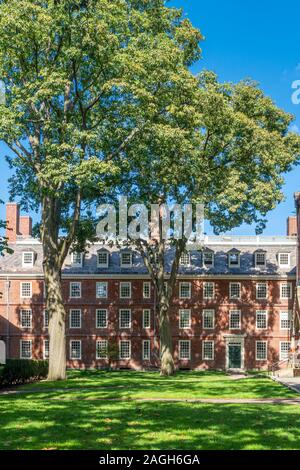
(20, 371)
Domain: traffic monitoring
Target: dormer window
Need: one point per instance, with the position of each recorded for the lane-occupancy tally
(234, 259)
(284, 260)
(102, 259)
(185, 259)
(28, 259)
(260, 259)
(208, 259)
(126, 260)
(76, 259)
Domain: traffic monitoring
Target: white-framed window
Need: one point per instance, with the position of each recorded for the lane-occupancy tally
(185, 290)
(146, 318)
(234, 290)
(184, 318)
(26, 290)
(208, 259)
(126, 260)
(261, 290)
(75, 349)
(26, 318)
(208, 350)
(101, 318)
(125, 290)
(76, 259)
(261, 319)
(101, 349)
(75, 318)
(125, 318)
(125, 349)
(101, 290)
(146, 349)
(46, 319)
(102, 259)
(285, 347)
(46, 349)
(185, 349)
(185, 259)
(235, 319)
(25, 349)
(234, 259)
(261, 350)
(75, 290)
(260, 259)
(146, 290)
(284, 260)
(285, 320)
(208, 316)
(27, 259)
(208, 290)
(286, 290)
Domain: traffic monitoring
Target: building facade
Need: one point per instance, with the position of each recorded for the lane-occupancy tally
(231, 308)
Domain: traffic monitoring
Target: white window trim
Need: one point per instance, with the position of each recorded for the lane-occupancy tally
(213, 350)
(280, 352)
(258, 359)
(75, 358)
(127, 358)
(260, 265)
(213, 294)
(289, 319)
(106, 284)
(190, 319)
(240, 289)
(103, 265)
(256, 290)
(179, 352)
(120, 290)
(130, 319)
(261, 312)
(70, 317)
(203, 314)
(240, 319)
(30, 341)
(27, 265)
(106, 315)
(289, 260)
(291, 290)
(146, 310)
(21, 314)
(26, 296)
(79, 265)
(106, 347)
(44, 349)
(75, 297)
(146, 358)
(234, 265)
(190, 290)
(44, 318)
(189, 259)
(121, 260)
(208, 266)
(147, 284)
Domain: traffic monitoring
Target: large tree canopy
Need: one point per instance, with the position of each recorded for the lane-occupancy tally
(84, 79)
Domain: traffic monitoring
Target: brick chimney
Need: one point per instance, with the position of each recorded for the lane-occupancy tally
(292, 226)
(16, 225)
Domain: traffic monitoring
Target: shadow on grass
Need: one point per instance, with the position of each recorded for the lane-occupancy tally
(43, 424)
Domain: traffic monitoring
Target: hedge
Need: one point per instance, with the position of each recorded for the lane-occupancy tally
(20, 371)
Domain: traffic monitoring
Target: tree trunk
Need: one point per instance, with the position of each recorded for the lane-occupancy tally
(57, 316)
(167, 366)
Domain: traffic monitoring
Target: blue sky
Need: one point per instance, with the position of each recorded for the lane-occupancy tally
(243, 38)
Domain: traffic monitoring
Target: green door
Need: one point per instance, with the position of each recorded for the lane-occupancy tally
(235, 356)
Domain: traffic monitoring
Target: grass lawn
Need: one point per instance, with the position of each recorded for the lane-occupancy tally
(64, 420)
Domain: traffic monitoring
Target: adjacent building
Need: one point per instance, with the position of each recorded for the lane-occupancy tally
(231, 309)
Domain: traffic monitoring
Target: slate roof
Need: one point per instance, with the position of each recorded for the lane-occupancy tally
(12, 263)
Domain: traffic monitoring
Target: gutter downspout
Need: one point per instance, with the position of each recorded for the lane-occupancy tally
(7, 318)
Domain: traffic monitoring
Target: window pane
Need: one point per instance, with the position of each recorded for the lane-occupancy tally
(101, 318)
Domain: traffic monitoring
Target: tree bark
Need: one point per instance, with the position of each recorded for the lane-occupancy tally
(167, 366)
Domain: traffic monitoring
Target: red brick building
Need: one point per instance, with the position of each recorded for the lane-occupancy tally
(231, 306)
